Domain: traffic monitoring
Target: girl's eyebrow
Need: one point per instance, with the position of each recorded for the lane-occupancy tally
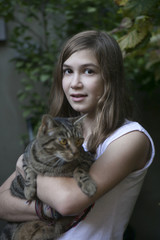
(83, 65)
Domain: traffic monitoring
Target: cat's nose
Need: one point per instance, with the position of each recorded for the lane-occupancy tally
(75, 152)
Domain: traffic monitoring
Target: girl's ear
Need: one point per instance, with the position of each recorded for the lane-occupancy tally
(47, 125)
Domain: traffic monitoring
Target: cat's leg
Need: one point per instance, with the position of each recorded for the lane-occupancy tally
(30, 183)
(85, 182)
(17, 186)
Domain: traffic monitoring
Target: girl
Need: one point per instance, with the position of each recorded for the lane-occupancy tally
(89, 79)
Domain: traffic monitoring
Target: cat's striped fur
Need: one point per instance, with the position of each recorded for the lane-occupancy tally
(56, 151)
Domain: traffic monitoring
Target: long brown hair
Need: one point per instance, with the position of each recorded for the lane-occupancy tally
(112, 108)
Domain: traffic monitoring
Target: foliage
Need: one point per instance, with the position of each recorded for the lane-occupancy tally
(139, 37)
(36, 52)
(39, 28)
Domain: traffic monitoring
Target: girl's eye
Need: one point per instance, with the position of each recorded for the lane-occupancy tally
(89, 71)
(79, 142)
(67, 71)
(63, 141)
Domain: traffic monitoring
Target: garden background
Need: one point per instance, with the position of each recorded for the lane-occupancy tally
(31, 34)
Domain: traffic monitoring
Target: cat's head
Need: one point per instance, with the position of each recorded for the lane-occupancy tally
(62, 137)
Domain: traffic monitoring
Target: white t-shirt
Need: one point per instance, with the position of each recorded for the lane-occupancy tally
(109, 217)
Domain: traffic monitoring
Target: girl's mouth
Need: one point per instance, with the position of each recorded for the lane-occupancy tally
(78, 97)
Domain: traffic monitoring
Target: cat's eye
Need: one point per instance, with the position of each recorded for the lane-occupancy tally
(63, 141)
(79, 142)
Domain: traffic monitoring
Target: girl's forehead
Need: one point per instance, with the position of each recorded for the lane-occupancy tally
(85, 56)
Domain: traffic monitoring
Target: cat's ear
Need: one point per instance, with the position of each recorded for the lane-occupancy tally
(47, 125)
(78, 120)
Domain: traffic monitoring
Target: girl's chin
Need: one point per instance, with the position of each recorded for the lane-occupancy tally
(78, 108)
(83, 111)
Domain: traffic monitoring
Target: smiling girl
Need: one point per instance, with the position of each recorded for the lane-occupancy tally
(90, 79)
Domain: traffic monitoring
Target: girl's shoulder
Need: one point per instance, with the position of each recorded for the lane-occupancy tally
(127, 127)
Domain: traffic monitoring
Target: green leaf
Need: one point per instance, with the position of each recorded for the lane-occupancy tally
(154, 57)
(137, 33)
(29, 87)
(91, 9)
(27, 113)
(44, 78)
(121, 2)
(19, 64)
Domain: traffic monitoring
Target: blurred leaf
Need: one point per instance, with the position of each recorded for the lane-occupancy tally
(134, 8)
(44, 78)
(91, 9)
(154, 57)
(121, 2)
(137, 33)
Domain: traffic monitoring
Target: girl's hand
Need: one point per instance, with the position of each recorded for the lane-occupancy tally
(19, 166)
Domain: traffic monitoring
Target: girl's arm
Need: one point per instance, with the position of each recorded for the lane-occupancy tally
(123, 156)
(13, 208)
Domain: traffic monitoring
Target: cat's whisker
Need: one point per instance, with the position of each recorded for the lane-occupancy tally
(58, 162)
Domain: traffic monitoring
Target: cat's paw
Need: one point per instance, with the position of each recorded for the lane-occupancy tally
(29, 193)
(89, 188)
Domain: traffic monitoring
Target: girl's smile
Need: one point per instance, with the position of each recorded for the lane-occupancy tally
(82, 82)
(78, 97)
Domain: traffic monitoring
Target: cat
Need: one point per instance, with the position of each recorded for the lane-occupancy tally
(56, 151)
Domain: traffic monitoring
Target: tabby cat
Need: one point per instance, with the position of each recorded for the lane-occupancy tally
(56, 151)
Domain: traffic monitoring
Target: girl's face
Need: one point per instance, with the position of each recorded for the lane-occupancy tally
(82, 82)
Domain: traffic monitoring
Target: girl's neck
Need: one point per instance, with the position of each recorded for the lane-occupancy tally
(88, 125)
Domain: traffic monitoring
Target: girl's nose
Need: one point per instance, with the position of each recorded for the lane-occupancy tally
(76, 81)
